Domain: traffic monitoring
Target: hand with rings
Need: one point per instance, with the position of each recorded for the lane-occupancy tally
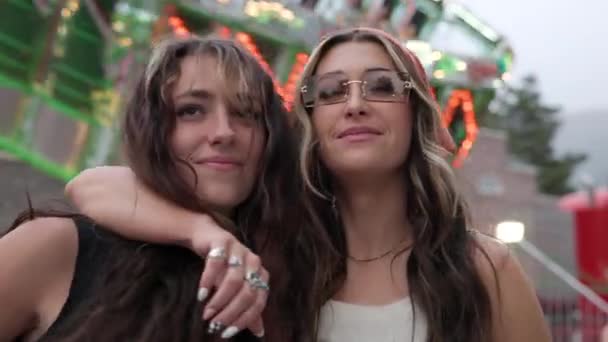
(239, 280)
(230, 303)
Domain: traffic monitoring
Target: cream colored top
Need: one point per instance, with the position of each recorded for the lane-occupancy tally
(341, 322)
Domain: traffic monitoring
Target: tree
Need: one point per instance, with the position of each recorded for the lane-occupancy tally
(531, 126)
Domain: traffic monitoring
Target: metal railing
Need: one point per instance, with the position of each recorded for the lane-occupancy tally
(573, 311)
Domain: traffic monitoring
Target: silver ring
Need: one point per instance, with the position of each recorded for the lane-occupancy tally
(255, 281)
(217, 253)
(235, 261)
(214, 327)
(252, 276)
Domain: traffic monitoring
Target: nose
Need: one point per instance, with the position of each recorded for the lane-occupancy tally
(355, 103)
(221, 132)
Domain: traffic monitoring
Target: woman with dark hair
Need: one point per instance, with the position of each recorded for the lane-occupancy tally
(205, 130)
(403, 263)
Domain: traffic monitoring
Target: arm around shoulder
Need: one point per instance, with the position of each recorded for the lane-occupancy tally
(517, 314)
(114, 198)
(35, 259)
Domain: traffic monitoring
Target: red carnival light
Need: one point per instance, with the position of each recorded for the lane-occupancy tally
(178, 26)
(292, 80)
(464, 99)
(250, 45)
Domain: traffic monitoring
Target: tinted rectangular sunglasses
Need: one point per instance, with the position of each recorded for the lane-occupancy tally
(375, 85)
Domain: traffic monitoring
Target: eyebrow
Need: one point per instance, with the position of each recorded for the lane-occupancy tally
(197, 93)
(379, 69)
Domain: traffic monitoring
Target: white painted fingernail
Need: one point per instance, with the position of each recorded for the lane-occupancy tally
(230, 332)
(260, 334)
(202, 294)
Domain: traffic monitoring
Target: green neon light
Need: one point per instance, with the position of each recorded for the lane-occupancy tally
(69, 91)
(12, 63)
(14, 43)
(62, 108)
(36, 160)
(54, 104)
(64, 69)
(9, 82)
(22, 4)
(81, 33)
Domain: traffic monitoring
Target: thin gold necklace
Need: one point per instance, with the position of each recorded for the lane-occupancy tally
(379, 256)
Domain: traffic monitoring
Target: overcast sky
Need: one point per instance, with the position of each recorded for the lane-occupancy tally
(564, 42)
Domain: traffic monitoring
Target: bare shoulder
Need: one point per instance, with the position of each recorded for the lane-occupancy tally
(48, 245)
(36, 259)
(45, 245)
(517, 314)
(47, 226)
(48, 236)
(498, 265)
(491, 254)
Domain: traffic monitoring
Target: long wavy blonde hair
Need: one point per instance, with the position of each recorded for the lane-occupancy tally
(443, 279)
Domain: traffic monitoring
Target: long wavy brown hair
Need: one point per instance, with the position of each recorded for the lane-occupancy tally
(443, 278)
(148, 292)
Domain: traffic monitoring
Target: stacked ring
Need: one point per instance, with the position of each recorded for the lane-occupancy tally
(255, 281)
(217, 253)
(235, 261)
(214, 327)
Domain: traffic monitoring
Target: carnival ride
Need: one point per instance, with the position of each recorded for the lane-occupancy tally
(66, 66)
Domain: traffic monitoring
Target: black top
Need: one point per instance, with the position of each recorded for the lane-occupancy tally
(95, 245)
(93, 249)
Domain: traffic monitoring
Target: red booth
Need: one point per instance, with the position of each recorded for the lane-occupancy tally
(590, 210)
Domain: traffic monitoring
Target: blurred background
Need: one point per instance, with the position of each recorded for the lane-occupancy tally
(520, 83)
